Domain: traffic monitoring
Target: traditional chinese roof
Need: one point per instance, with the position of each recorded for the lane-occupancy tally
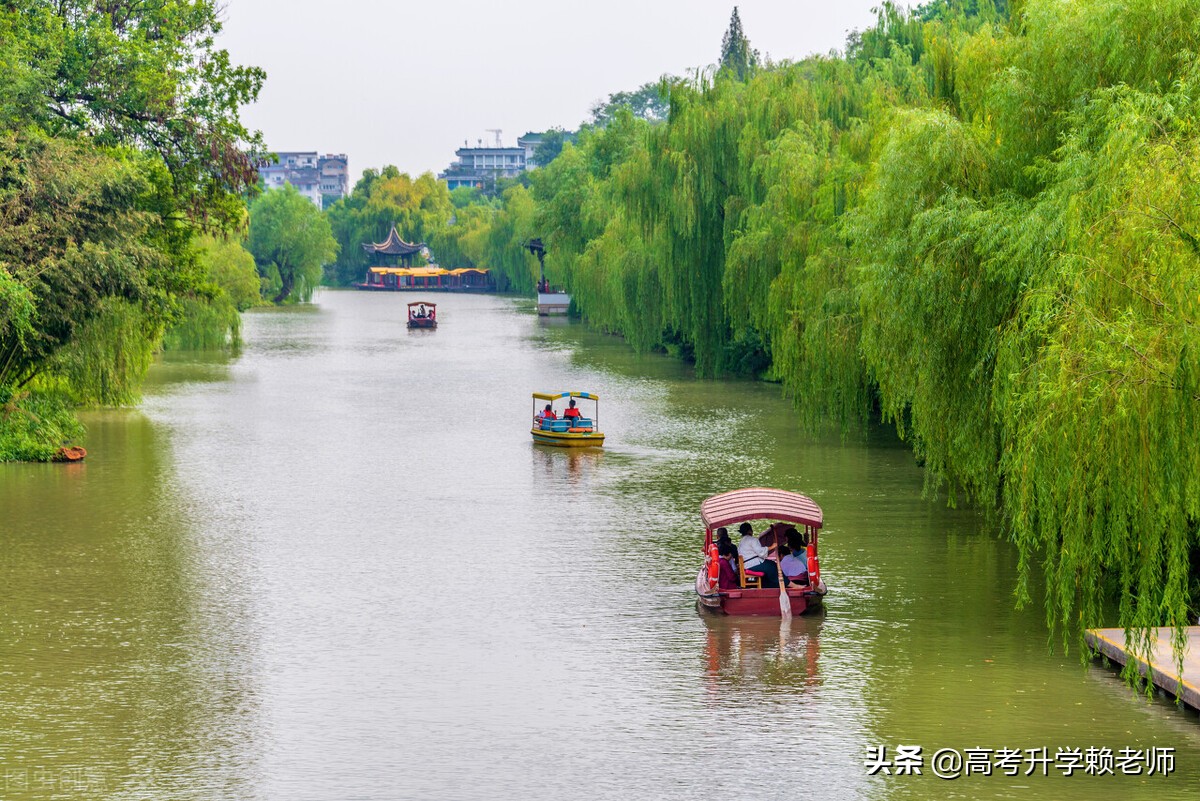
(393, 245)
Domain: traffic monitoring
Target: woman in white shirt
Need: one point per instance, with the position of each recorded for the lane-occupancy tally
(757, 557)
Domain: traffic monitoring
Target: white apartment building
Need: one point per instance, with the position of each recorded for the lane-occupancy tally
(319, 178)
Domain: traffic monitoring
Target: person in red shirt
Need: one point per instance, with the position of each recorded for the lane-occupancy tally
(728, 577)
(571, 413)
(547, 413)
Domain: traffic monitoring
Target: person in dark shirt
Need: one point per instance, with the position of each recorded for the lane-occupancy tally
(727, 579)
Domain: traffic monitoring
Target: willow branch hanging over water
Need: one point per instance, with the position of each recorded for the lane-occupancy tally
(979, 222)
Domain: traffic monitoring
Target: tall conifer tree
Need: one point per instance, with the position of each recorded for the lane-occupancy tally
(736, 55)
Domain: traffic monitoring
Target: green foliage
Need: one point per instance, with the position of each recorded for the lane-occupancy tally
(463, 196)
(230, 269)
(418, 208)
(982, 227)
(502, 243)
(550, 146)
(78, 230)
(737, 58)
(120, 140)
(212, 320)
(140, 75)
(35, 424)
(291, 242)
(105, 362)
(648, 102)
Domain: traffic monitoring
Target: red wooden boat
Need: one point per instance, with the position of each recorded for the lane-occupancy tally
(422, 314)
(780, 509)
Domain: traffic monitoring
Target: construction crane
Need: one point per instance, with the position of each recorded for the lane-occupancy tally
(497, 132)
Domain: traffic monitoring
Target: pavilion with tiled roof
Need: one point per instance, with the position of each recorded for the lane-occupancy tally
(393, 246)
(393, 269)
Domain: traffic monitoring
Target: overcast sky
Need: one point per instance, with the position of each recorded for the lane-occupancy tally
(405, 82)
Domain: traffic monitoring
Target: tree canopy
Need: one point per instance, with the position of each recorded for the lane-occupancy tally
(291, 242)
(418, 208)
(737, 57)
(980, 224)
(648, 101)
(120, 140)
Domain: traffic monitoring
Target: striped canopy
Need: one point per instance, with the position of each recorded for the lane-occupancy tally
(551, 396)
(759, 503)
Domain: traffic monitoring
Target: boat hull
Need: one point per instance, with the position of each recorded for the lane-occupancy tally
(566, 439)
(553, 303)
(754, 602)
(422, 323)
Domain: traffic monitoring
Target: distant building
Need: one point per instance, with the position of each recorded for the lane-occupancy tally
(335, 177)
(529, 143)
(321, 179)
(482, 166)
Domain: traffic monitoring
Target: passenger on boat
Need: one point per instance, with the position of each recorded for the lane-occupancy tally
(421, 312)
(547, 413)
(795, 564)
(723, 537)
(727, 579)
(757, 557)
(571, 413)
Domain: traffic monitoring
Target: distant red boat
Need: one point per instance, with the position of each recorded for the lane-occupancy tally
(422, 314)
(781, 509)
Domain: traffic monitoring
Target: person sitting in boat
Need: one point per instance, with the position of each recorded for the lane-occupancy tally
(757, 557)
(795, 564)
(547, 413)
(421, 312)
(571, 413)
(723, 537)
(727, 578)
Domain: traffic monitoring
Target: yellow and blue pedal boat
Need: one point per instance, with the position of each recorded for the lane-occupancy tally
(562, 432)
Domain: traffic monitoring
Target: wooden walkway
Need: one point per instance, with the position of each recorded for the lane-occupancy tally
(1111, 643)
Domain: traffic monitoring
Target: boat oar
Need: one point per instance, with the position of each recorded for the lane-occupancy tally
(785, 603)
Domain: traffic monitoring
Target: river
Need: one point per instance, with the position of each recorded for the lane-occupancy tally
(335, 567)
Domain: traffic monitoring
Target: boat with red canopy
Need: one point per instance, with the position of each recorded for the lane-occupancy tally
(790, 518)
(422, 314)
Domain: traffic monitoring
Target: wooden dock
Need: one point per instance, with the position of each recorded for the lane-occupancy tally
(1162, 667)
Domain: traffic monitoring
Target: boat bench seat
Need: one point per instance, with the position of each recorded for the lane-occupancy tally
(751, 579)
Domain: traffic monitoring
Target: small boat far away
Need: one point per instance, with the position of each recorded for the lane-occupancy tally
(727, 585)
(422, 314)
(567, 427)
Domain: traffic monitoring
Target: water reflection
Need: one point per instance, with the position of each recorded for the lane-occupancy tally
(573, 467)
(125, 646)
(766, 653)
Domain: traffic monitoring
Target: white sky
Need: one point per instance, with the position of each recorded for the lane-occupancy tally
(406, 82)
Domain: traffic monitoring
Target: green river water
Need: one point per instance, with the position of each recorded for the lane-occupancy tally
(335, 567)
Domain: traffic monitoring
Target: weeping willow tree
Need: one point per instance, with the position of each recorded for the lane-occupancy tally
(105, 363)
(1099, 397)
(501, 245)
(212, 319)
(980, 223)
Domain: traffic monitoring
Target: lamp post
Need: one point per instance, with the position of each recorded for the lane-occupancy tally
(538, 249)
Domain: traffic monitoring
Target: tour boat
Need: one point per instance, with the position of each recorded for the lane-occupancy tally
(422, 314)
(782, 510)
(553, 302)
(581, 432)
